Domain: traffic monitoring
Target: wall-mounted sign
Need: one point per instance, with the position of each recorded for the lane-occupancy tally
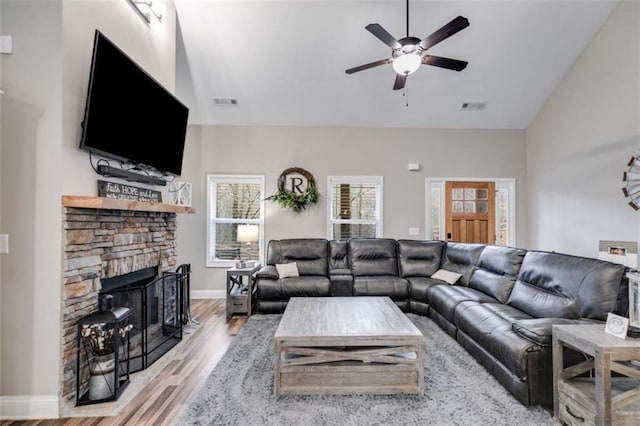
(121, 191)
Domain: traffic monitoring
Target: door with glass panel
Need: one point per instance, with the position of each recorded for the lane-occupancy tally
(470, 212)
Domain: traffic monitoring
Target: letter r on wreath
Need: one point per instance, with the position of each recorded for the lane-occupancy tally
(296, 182)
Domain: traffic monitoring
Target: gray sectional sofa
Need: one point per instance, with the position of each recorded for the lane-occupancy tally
(501, 308)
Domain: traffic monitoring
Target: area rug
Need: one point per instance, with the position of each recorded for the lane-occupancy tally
(458, 391)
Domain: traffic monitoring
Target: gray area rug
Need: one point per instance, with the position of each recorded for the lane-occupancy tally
(458, 391)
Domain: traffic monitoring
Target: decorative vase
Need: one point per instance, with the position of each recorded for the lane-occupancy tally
(102, 373)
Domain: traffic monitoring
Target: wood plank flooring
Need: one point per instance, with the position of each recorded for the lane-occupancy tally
(163, 398)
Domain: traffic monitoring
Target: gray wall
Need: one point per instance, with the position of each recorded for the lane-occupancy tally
(580, 142)
(340, 151)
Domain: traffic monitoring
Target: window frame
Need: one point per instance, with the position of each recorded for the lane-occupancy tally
(213, 180)
(377, 181)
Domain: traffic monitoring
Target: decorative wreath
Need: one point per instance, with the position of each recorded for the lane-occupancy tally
(295, 201)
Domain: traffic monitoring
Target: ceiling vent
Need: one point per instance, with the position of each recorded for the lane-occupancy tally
(225, 101)
(474, 106)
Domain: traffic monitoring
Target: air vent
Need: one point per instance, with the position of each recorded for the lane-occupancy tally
(225, 101)
(474, 106)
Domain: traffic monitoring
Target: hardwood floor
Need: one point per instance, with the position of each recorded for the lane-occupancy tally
(163, 398)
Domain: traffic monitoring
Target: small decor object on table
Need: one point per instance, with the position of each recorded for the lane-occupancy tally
(102, 371)
(240, 293)
(300, 194)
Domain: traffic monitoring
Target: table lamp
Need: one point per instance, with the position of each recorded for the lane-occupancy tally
(248, 234)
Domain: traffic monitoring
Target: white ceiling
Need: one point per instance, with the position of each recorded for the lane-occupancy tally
(284, 61)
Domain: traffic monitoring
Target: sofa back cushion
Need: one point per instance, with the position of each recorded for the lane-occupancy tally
(339, 257)
(497, 271)
(565, 286)
(374, 256)
(310, 254)
(461, 258)
(419, 258)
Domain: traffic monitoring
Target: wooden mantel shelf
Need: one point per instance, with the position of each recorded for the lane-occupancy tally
(86, 202)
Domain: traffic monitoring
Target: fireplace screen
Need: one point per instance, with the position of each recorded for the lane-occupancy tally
(155, 307)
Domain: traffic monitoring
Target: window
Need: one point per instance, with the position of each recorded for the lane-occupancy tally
(233, 202)
(355, 207)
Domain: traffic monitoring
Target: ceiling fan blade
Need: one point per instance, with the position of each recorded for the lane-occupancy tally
(401, 80)
(369, 65)
(457, 24)
(450, 64)
(383, 35)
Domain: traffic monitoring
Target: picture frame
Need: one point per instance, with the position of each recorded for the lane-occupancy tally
(617, 325)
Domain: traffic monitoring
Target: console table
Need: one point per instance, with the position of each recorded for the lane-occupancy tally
(240, 289)
(601, 400)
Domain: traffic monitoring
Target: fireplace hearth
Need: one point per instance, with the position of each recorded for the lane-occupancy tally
(155, 303)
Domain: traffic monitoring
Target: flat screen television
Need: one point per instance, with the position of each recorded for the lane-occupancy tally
(129, 116)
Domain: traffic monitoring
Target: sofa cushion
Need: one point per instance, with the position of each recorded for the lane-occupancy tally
(497, 271)
(285, 288)
(395, 287)
(268, 271)
(373, 256)
(490, 326)
(418, 287)
(565, 286)
(339, 257)
(419, 258)
(540, 330)
(444, 298)
(446, 276)
(287, 270)
(309, 253)
(461, 258)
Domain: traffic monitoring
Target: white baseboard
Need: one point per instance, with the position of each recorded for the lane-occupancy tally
(29, 407)
(208, 294)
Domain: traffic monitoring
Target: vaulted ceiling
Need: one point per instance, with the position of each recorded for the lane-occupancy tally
(284, 61)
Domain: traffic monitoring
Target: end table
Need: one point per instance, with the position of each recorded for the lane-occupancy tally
(240, 290)
(600, 399)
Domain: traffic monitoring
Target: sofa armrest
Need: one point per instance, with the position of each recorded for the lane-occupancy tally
(268, 271)
(540, 330)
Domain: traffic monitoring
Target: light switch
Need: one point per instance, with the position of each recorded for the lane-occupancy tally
(6, 44)
(413, 167)
(414, 231)
(4, 243)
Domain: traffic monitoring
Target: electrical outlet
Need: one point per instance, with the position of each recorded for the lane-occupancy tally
(414, 231)
(4, 243)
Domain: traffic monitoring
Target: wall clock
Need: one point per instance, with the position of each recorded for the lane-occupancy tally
(631, 178)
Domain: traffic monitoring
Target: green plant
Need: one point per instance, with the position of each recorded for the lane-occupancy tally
(289, 198)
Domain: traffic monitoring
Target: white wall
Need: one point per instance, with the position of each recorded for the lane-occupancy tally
(46, 83)
(340, 151)
(580, 142)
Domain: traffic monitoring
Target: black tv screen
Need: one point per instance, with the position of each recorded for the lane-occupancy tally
(129, 116)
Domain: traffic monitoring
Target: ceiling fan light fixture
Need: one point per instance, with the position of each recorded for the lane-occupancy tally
(407, 64)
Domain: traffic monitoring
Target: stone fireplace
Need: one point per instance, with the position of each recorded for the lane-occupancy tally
(103, 239)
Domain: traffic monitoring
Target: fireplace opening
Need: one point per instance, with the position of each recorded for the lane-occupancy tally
(155, 305)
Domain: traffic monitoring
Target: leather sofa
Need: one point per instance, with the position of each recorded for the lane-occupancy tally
(501, 309)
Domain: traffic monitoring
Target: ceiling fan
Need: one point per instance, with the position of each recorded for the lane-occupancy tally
(408, 53)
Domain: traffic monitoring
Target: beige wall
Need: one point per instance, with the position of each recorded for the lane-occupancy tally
(580, 142)
(46, 82)
(340, 151)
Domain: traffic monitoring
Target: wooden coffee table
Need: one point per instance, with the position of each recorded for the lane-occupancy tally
(347, 345)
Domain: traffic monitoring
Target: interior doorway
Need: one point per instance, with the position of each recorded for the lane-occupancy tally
(474, 210)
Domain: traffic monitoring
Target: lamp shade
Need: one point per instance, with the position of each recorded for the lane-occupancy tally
(248, 233)
(407, 64)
